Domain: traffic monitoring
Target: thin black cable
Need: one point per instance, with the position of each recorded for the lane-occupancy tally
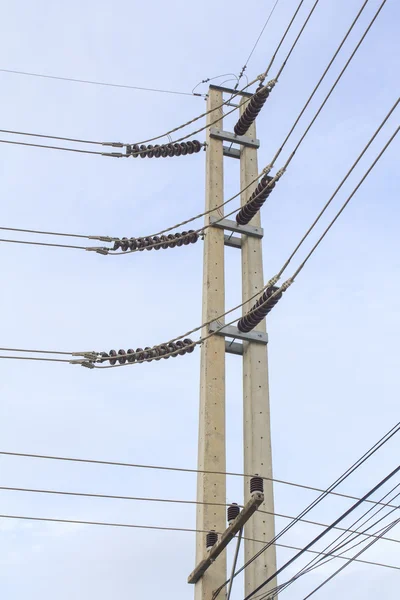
(176, 469)
(56, 233)
(384, 439)
(149, 527)
(257, 41)
(116, 85)
(283, 38)
(323, 533)
(327, 554)
(172, 501)
(353, 558)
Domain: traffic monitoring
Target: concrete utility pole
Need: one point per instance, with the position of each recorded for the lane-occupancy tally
(256, 415)
(256, 410)
(212, 453)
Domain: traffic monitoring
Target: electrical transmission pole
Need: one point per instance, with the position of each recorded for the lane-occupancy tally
(211, 488)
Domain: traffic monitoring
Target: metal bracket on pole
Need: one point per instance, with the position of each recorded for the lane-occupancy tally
(230, 225)
(231, 152)
(228, 535)
(227, 136)
(233, 348)
(233, 241)
(229, 331)
(231, 91)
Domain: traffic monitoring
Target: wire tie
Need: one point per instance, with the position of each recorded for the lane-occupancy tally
(114, 154)
(99, 250)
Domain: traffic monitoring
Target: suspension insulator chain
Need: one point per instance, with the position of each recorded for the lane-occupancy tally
(251, 111)
(147, 354)
(164, 150)
(260, 310)
(256, 200)
(156, 242)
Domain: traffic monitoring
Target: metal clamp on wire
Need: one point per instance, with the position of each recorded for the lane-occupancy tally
(99, 250)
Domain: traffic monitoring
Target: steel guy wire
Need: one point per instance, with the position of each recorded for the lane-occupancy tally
(259, 78)
(116, 85)
(383, 440)
(279, 150)
(321, 535)
(176, 469)
(354, 558)
(153, 527)
(283, 287)
(175, 501)
(268, 168)
(259, 37)
(121, 155)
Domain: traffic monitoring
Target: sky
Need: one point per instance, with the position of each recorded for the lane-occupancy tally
(333, 339)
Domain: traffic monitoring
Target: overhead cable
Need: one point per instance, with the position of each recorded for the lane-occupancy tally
(322, 534)
(173, 501)
(169, 468)
(352, 559)
(149, 527)
(102, 83)
(392, 432)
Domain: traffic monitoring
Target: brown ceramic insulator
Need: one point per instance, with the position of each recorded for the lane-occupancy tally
(113, 360)
(251, 111)
(188, 342)
(256, 484)
(124, 244)
(132, 355)
(260, 310)
(256, 200)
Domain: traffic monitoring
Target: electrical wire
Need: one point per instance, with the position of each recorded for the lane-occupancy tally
(334, 546)
(112, 154)
(259, 37)
(280, 149)
(43, 244)
(393, 431)
(322, 534)
(150, 527)
(116, 85)
(176, 469)
(352, 559)
(259, 78)
(173, 501)
(284, 286)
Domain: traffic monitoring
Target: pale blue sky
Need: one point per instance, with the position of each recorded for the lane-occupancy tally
(334, 357)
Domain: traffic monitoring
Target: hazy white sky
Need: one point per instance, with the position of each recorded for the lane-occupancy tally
(334, 357)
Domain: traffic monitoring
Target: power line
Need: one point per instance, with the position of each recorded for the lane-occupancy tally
(170, 501)
(384, 439)
(112, 154)
(284, 286)
(176, 469)
(323, 533)
(259, 37)
(102, 83)
(354, 558)
(43, 244)
(150, 527)
(334, 546)
(346, 203)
